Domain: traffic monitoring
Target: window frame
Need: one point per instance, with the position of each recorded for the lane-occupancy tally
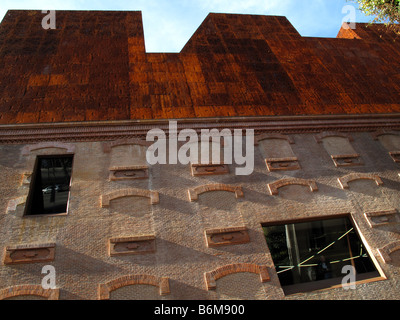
(28, 204)
(315, 286)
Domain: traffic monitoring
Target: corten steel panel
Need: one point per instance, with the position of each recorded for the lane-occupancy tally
(94, 66)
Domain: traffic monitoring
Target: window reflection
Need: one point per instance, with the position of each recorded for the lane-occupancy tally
(316, 250)
(50, 185)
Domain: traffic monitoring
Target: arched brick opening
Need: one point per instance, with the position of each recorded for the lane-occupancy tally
(388, 249)
(378, 133)
(274, 186)
(195, 192)
(319, 137)
(161, 282)
(70, 148)
(212, 276)
(152, 195)
(29, 290)
(356, 176)
(264, 136)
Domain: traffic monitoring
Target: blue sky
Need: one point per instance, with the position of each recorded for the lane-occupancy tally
(168, 24)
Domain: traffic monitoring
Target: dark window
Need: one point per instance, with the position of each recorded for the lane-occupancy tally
(310, 255)
(50, 185)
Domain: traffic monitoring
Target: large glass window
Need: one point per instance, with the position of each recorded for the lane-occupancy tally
(310, 255)
(50, 185)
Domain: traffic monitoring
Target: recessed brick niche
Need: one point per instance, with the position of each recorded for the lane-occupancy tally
(209, 169)
(347, 160)
(129, 173)
(226, 236)
(132, 245)
(277, 164)
(395, 155)
(380, 218)
(29, 253)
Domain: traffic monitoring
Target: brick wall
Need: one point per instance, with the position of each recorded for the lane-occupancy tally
(82, 257)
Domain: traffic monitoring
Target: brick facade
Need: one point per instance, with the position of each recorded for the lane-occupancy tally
(179, 227)
(174, 234)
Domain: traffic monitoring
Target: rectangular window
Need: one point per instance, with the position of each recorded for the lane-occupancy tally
(310, 255)
(50, 184)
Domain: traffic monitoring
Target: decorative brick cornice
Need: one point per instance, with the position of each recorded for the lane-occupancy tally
(29, 290)
(106, 198)
(212, 276)
(70, 148)
(127, 129)
(161, 282)
(356, 176)
(194, 192)
(264, 136)
(321, 136)
(107, 146)
(388, 249)
(274, 186)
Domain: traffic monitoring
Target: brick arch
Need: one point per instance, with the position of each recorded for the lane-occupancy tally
(319, 137)
(264, 136)
(107, 146)
(194, 192)
(105, 289)
(212, 276)
(29, 290)
(70, 148)
(388, 249)
(274, 186)
(378, 133)
(356, 176)
(152, 195)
